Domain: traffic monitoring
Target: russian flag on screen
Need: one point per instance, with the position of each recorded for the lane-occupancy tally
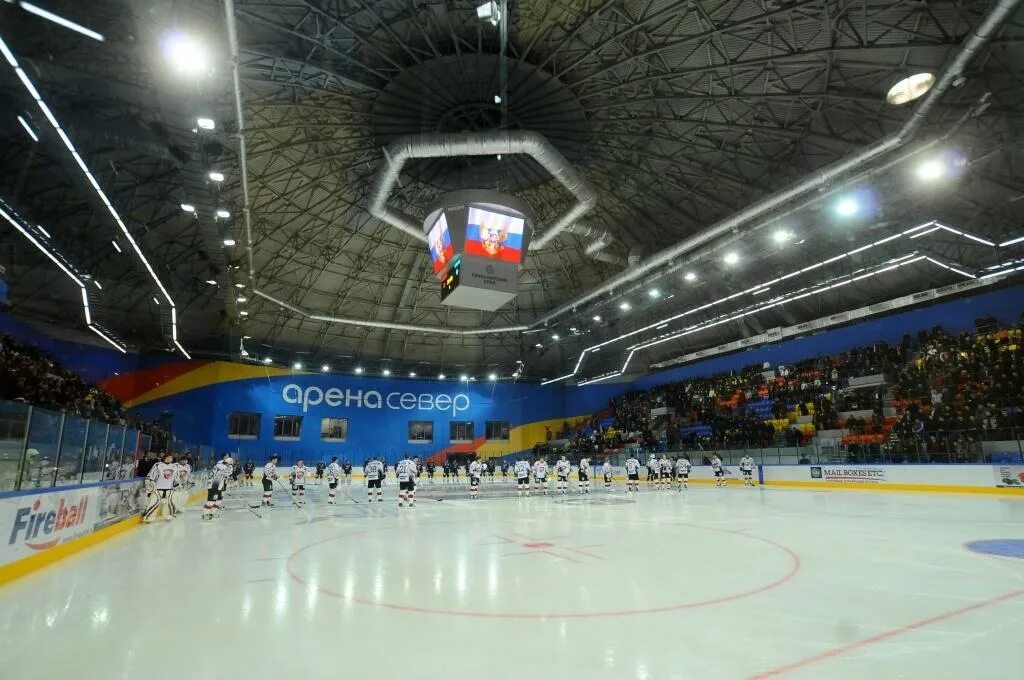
(440, 243)
(493, 235)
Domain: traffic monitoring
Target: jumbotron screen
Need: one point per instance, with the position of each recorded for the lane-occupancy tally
(493, 235)
(440, 242)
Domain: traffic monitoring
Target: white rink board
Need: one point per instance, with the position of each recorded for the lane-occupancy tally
(899, 476)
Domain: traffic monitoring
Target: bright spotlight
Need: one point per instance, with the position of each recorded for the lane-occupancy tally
(412, 374)
(243, 313)
(597, 318)
(185, 54)
(211, 282)
(216, 176)
(229, 242)
(497, 99)
(554, 336)
(205, 123)
(325, 368)
(188, 207)
(782, 235)
(489, 11)
(931, 170)
(297, 365)
(910, 88)
(223, 214)
(440, 376)
(241, 298)
(358, 370)
(385, 372)
(624, 306)
(492, 377)
(690, 276)
(847, 207)
(539, 345)
(464, 377)
(267, 360)
(654, 292)
(731, 257)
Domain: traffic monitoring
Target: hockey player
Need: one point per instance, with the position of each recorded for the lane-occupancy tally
(562, 469)
(652, 470)
(236, 474)
(373, 471)
(160, 488)
(299, 475)
(218, 481)
(182, 484)
(475, 470)
(504, 471)
(606, 472)
(665, 466)
(583, 475)
(333, 475)
(346, 468)
(540, 476)
(747, 468)
(632, 474)
(431, 467)
(490, 470)
(405, 470)
(522, 472)
(269, 475)
(716, 467)
(320, 467)
(682, 472)
(445, 471)
(248, 469)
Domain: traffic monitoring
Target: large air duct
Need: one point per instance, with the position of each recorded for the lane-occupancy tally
(478, 144)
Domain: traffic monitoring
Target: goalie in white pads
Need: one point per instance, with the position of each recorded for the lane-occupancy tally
(522, 470)
(374, 470)
(300, 473)
(562, 469)
(333, 475)
(583, 475)
(475, 471)
(269, 475)
(405, 470)
(632, 474)
(540, 476)
(160, 488)
(747, 468)
(218, 480)
(682, 472)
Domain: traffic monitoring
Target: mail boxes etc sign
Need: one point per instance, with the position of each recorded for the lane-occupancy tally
(849, 475)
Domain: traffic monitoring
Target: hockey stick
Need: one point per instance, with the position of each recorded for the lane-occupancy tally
(350, 496)
(294, 502)
(248, 507)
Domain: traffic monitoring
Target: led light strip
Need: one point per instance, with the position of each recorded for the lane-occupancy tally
(30, 88)
(71, 275)
(913, 233)
(60, 21)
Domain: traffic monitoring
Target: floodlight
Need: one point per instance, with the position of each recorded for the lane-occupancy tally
(910, 88)
(229, 242)
(223, 214)
(731, 257)
(205, 123)
(184, 53)
(216, 176)
(690, 276)
(188, 207)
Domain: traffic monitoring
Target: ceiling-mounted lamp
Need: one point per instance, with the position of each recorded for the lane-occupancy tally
(489, 11)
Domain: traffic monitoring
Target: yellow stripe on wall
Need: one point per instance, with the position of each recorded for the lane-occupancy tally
(942, 488)
(210, 374)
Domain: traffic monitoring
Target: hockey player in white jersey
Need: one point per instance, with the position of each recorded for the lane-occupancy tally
(182, 484)
(716, 467)
(269, 475)
(540, 476)
(333, 476)
(682, 473)
(632, 474)
(562, 469)
(218, 481)
(522, 470)
(476, 469)
(405, 470)
(583, 475)
(299, 476)
(606, 472)
(160, 488)
(747, 468)
(665, 470)
(652, 471)
(373, 470)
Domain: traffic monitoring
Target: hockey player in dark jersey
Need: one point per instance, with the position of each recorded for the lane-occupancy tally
(248, 469)
(320, 473)
(346, 469)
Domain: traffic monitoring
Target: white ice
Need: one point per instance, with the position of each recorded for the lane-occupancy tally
(707, 583)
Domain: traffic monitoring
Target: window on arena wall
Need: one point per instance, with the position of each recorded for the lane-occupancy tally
(421, 431)
(461, 431)
(243, 425)
(287, 428)
(497, 430)
(334, 429)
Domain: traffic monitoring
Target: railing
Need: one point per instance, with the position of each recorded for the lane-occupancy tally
(40, 448)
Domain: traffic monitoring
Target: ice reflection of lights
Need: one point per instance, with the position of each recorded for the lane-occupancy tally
(437, 581)
(246, 606)
(281, 599)
(350, 587)
(378, 584)
(100, 618)
(460, 576)
(492, 579)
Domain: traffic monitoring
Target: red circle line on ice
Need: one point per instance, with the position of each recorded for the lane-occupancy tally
(794, 567)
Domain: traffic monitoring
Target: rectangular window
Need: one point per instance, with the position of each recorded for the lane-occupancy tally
(287, 428)
(461, 431)
(334, 429)
(421, 431)
(497, 430)
(243, 425)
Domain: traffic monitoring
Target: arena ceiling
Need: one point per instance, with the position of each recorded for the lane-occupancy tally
(678, 114)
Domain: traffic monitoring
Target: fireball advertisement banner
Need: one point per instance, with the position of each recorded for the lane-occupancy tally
(37, 522)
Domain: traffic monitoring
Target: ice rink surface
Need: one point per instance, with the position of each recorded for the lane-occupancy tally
(707, 583)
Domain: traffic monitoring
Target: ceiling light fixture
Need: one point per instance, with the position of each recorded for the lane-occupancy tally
(930, 170)
(212, 282)
(781, 236)
(184, 54)
(597, 318)
(116, 247)
(239, 285)
(297, 365)
(910, 88)
(205, 123)
(216, 176)
(241, 298)
(847, 207)
(229, 242)
(731, 258)
(492, 377)
(188, 207)
(624, 306)
(223, 214)
(243, 313)
(440, 376)
(690, 276)
(654, 292)
(386, 372)
(489, 11)
(267, 360)
(28, 129)
(358, 370)
(325, 368)
(412, 374)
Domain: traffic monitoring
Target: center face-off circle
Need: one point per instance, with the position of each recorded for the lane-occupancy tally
(533, 570)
